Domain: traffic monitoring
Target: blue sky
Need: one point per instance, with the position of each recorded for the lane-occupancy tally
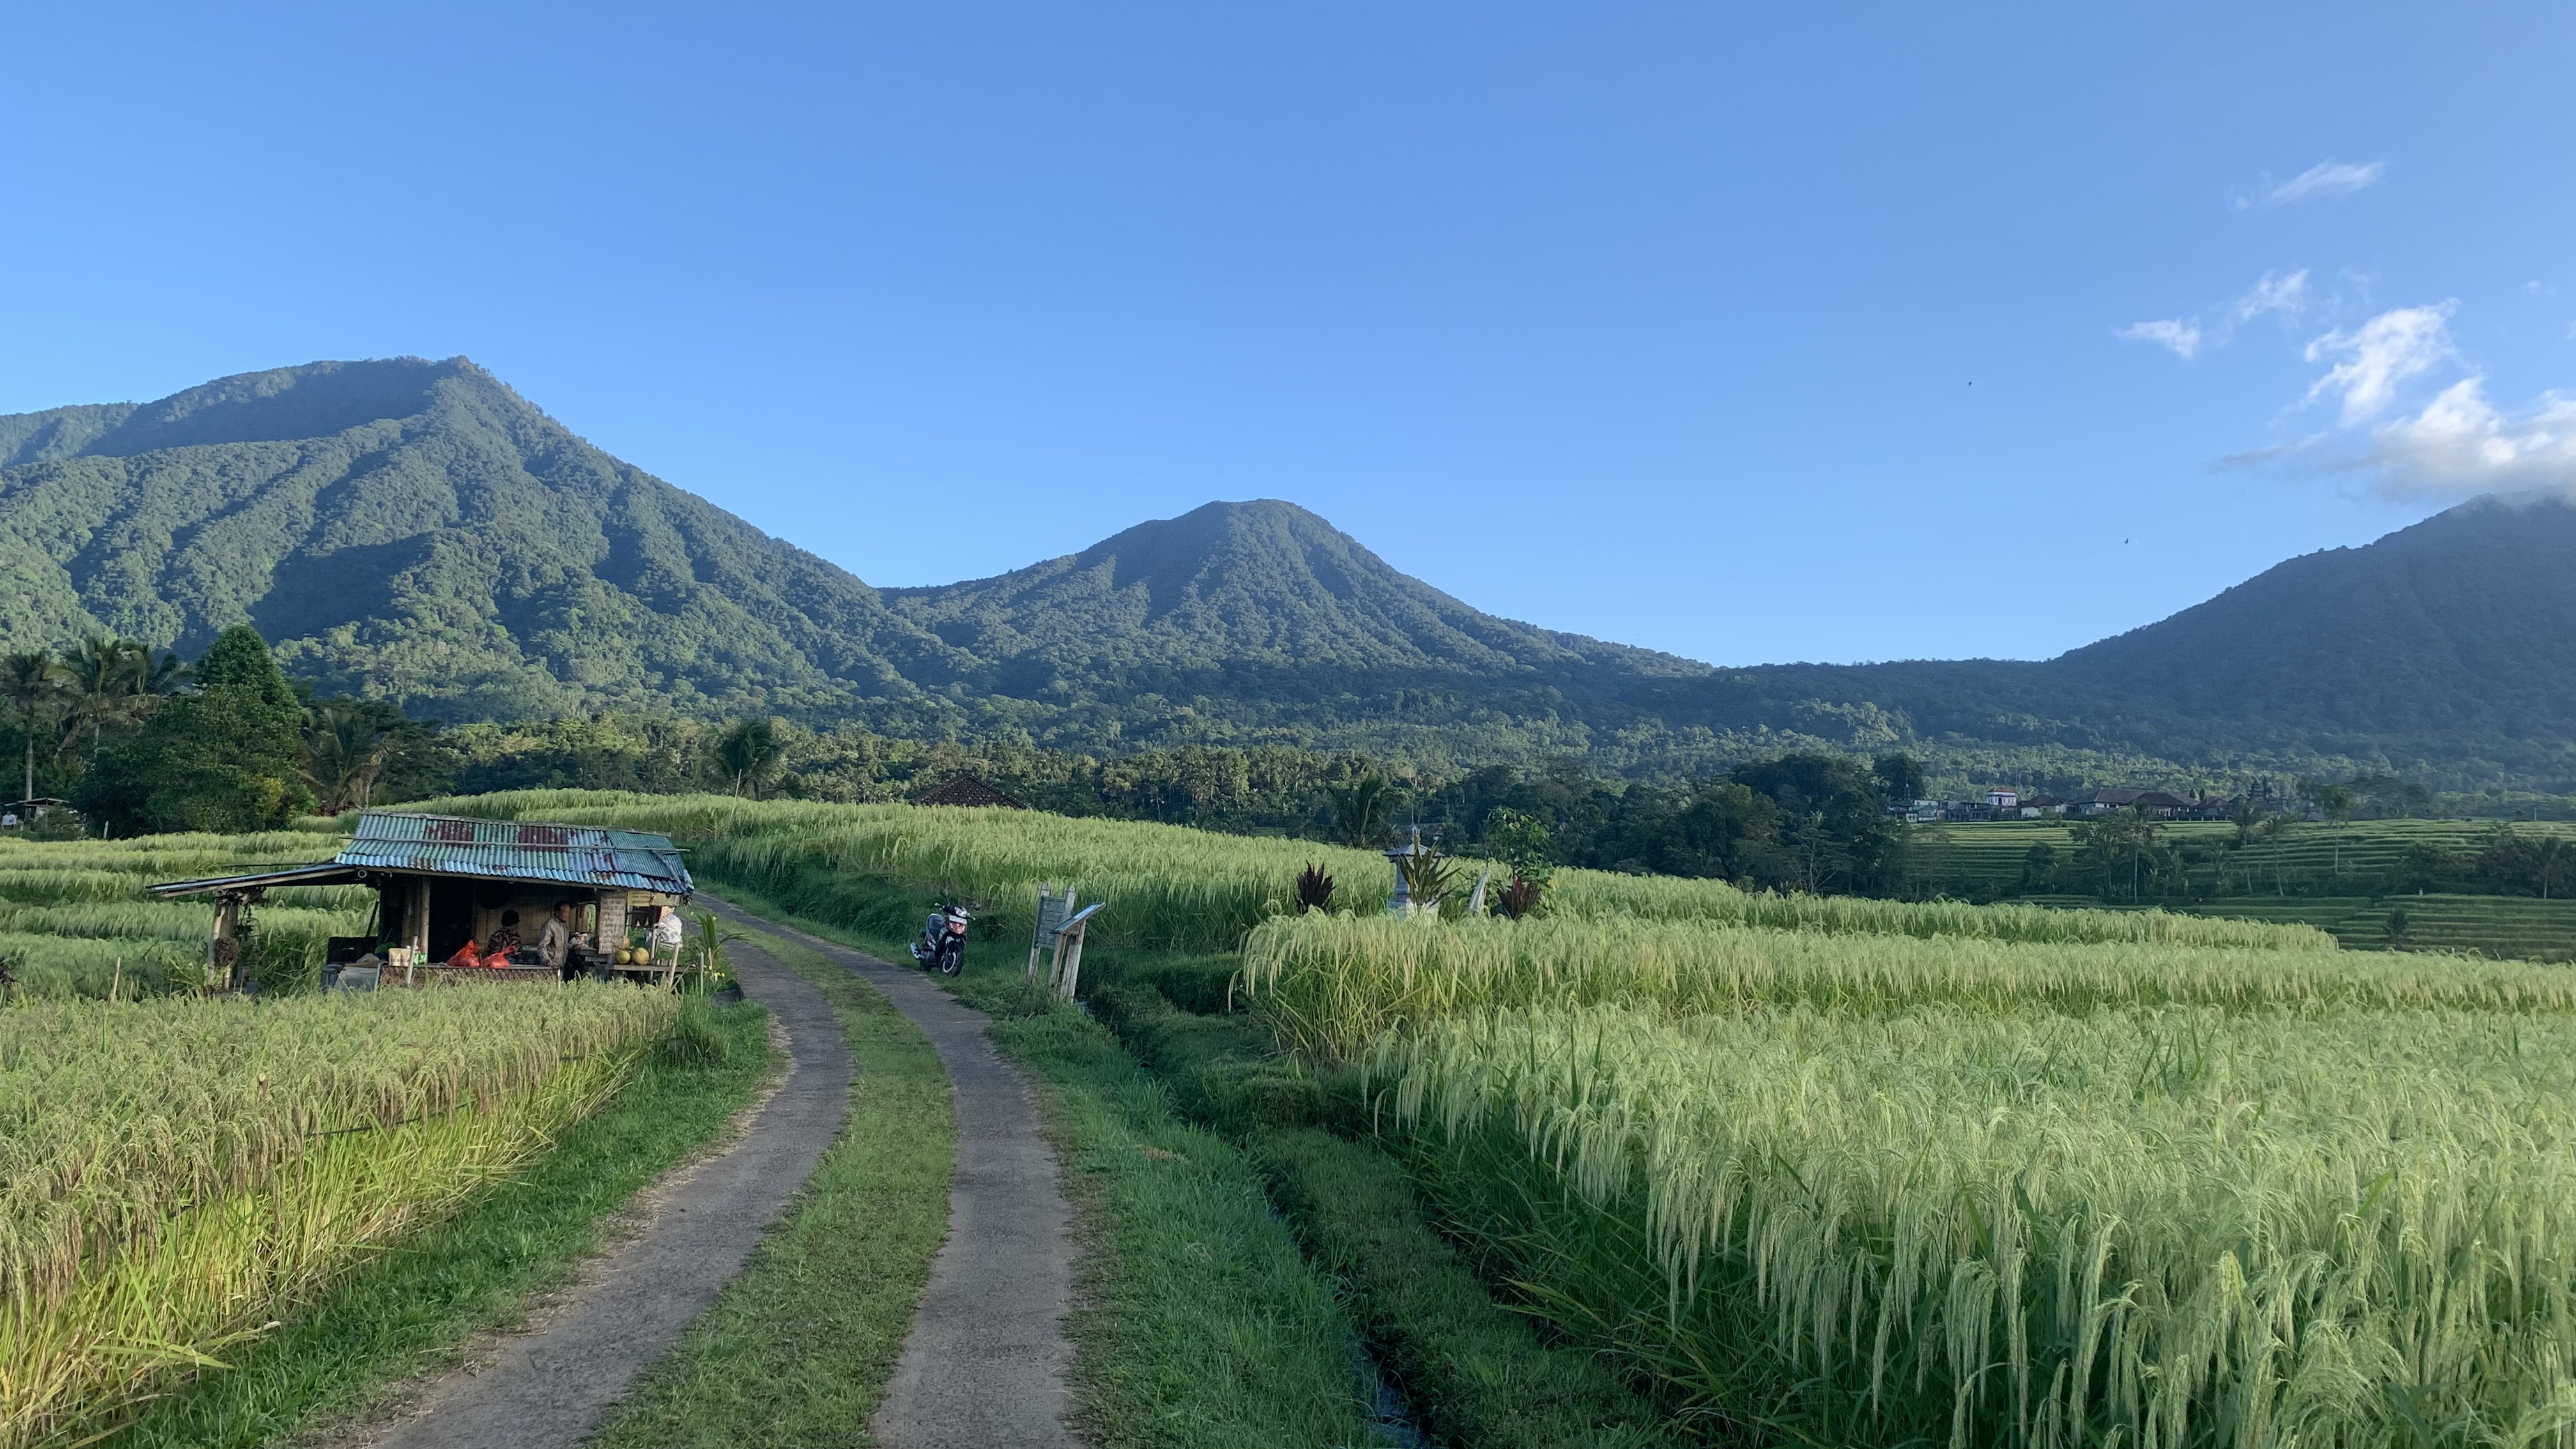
(1751, 336)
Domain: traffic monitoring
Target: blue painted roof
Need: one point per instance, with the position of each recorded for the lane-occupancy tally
(517, 850)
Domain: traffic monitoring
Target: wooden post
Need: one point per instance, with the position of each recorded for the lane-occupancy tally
(1073, 962)
(1066, 970)
(1038, 940)
(417, 931)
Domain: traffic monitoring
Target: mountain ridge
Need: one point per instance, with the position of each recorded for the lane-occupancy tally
(418, 531)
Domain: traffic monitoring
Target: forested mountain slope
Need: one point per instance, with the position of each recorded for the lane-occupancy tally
(1275, 616)
(417, 531)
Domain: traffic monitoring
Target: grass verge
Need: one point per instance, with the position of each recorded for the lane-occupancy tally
(798, 1350)
(1475, 1371)
(404, 1314)
(1198, 1324)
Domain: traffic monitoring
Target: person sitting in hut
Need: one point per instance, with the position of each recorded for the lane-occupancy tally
(466, 955)
(505, 941)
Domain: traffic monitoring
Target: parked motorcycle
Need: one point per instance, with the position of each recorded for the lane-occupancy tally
(942, 947)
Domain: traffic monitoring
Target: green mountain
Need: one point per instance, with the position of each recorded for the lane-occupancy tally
(2444, 652)
(417, 531)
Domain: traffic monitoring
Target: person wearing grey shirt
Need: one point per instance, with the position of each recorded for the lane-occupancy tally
(554, 944)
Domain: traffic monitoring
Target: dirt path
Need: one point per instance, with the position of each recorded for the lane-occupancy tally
(551, 1388)
(985, 1367)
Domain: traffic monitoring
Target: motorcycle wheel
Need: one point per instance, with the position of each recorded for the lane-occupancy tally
(951, 962)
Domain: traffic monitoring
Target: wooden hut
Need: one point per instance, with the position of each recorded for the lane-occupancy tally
(441, 880)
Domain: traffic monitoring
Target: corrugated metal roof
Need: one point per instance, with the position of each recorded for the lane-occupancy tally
(517, 850)
(588, 855)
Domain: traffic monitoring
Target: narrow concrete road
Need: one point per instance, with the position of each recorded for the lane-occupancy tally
(985, 1367)
(552, 1388)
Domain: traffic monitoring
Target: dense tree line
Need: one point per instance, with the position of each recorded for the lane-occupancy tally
(142, 741)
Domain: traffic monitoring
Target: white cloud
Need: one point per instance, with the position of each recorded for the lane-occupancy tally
(2326, 178)
(2383, 352)
(2458, 444)
(2182, 338)
(2461, 443)
(2285, 295)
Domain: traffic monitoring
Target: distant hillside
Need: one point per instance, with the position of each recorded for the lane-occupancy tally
(417, 531)
(2445, 651)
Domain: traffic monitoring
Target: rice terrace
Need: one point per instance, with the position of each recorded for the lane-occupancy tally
(1024, 726)
(1662, 1162)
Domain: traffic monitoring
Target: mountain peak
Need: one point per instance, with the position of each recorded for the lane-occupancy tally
(415, 529)
(284, 404)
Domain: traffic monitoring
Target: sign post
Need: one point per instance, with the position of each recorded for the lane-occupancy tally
(1052, 911)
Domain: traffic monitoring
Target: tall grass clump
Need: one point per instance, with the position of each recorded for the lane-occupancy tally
(1331, 985)
(2161, 1227)
(1185, 889)
(173, 1171)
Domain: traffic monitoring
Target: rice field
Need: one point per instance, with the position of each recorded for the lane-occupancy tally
(76, 917)
(1885, 1190)
(1333, 985)
(1871, 1173)
(175, 1171)
(1194, 890)
(2158, 1228)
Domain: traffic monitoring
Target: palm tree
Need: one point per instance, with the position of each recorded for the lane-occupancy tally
(162, 673)
(1359, 809)
(107, 679)
(31, 680)
(345, 750)
(2552, 860)
(749, 752)
(2273, 829)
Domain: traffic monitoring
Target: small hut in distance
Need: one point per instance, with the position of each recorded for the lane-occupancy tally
(442, 879)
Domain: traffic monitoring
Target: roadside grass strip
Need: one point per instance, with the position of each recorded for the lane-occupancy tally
(1198, 1324)
(177, 1174)
(1475, 1372)
(798, 1350)
(404, 1315)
